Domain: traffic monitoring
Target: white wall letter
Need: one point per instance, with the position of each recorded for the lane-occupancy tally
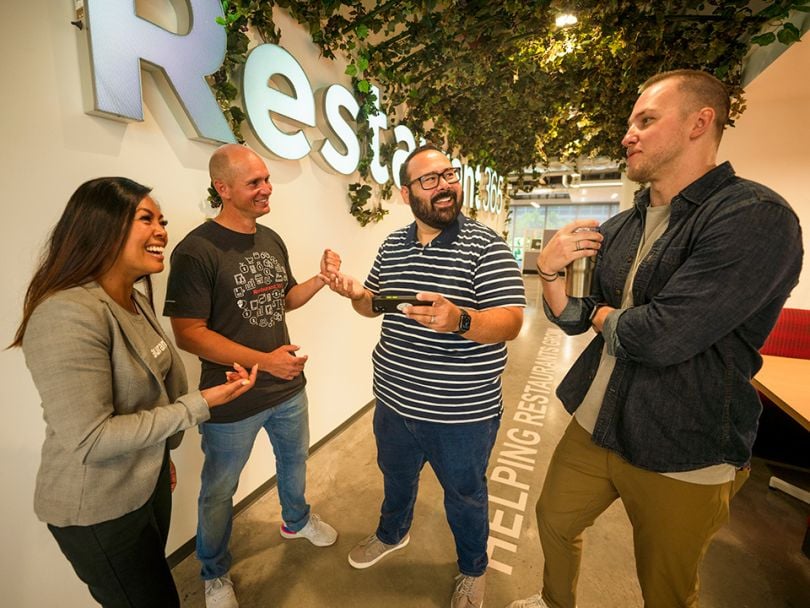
(377, 122)
(403, 135)
(333, 124)
(119, 39)
(468, 184)
(263, 63)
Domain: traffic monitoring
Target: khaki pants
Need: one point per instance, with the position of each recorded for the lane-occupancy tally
(673, 521)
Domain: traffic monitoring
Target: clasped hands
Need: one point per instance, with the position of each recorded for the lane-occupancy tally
(330, 266)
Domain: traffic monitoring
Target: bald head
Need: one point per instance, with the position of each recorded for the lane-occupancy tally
(225, 159)
(242, 182)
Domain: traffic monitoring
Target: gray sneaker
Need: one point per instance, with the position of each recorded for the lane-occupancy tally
(318, 532)
(469, 591)
(535, 601)
(371, 550)
(219, 593)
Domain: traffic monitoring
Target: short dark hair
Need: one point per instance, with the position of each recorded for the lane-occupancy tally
(703, 89)
(86, 240)
(403, 169)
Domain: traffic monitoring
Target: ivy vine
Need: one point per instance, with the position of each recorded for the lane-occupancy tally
(499, 81)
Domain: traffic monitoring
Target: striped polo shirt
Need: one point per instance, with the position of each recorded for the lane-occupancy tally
(433, 376)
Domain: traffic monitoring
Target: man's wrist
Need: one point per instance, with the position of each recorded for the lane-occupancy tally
(548, 277)
(595, 310)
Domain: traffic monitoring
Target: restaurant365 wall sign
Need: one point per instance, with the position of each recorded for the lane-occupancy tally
(275, 88)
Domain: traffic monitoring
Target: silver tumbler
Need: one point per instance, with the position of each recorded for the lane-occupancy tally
(579, 277)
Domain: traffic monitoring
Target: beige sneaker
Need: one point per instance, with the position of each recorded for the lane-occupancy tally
(469, 591)
(371, 550)
(535, 601)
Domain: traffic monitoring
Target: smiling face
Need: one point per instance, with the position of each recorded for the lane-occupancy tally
(437, 207)
(658, 132)
(244, 185)
(143, 249)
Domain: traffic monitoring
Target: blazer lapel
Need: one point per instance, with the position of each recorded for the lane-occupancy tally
(175, 382)
(138, 347)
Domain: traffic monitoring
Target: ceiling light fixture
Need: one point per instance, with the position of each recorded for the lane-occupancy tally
(565, 20)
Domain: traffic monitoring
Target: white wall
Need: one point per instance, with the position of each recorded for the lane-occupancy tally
(51, 147)
(771, 142)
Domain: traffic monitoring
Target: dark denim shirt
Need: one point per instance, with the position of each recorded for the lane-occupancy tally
(705, 298)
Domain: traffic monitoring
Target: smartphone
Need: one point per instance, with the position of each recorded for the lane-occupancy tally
(394, 303)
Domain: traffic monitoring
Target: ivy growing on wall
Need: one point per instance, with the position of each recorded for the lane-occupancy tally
(499, 81)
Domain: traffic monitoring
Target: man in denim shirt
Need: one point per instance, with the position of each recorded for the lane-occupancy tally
(687, 286)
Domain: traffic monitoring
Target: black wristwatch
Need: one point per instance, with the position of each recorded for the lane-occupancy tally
(463, 322)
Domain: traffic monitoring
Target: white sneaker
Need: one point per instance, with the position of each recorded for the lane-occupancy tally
(318, 532)
(535, 601)
(219, 593)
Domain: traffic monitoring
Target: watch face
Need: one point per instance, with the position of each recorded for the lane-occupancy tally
(463, 322)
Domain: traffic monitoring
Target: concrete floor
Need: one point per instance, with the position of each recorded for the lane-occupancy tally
(754, 562)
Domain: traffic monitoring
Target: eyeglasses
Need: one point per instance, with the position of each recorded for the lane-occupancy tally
(431, 180)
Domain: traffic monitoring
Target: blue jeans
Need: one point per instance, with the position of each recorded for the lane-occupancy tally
(227, 447)
(459, 455)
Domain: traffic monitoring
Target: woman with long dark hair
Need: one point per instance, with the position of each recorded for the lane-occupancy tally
(114, 393)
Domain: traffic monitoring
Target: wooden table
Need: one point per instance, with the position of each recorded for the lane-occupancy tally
(786, 382)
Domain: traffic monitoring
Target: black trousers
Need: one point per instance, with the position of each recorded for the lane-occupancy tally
(123, 561)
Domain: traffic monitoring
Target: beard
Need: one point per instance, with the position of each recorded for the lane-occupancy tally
(439, 218)
(640, 175)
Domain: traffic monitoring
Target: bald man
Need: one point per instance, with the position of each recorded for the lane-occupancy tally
(229, 290)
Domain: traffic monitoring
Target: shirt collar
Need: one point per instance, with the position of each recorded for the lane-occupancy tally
(702, 188)
(446, 236)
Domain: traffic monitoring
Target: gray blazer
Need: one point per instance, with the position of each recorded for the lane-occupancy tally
(108, 412)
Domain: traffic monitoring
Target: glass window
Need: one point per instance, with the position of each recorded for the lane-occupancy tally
(528, 223)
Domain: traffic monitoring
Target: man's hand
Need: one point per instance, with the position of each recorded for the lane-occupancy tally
(579, 239)
(347, 286)
(282, 362)
(330, 266)
(438, 313)
(599, 316)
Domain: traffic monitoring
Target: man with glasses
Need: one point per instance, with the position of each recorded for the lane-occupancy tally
(437, 366)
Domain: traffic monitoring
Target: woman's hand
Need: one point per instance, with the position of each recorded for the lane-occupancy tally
(238, 382)
(172, 475)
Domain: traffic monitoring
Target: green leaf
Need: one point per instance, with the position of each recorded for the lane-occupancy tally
(787, 36)
(764, 39)
(363, 86)
(351, 70)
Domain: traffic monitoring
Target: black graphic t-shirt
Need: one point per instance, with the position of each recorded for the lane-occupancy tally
(237, 282)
